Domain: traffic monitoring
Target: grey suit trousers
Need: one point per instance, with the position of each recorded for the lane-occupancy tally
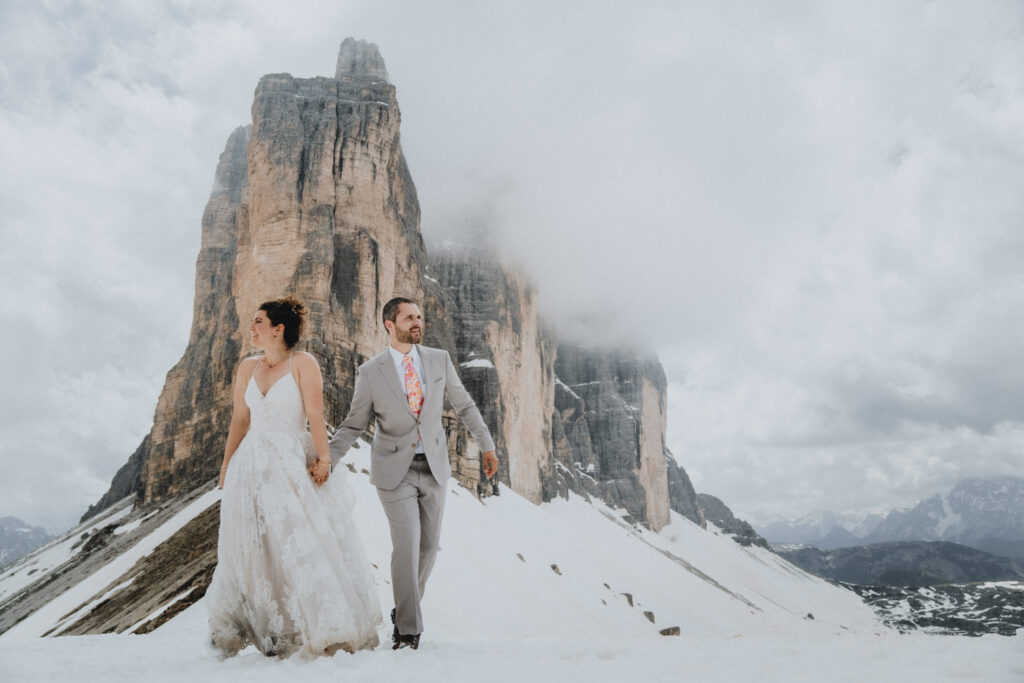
(414, 510)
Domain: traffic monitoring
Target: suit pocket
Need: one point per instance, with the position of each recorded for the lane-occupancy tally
(384, 444)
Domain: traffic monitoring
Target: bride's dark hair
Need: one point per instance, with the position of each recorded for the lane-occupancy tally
(288, 311)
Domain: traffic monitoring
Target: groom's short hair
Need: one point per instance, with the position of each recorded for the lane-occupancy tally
(390, 311)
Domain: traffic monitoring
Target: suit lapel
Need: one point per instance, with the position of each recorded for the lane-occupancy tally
(426, 362)
(387, 368)
(431, 371)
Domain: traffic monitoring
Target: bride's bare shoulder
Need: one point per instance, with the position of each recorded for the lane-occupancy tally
(247, 365)
(305, 360)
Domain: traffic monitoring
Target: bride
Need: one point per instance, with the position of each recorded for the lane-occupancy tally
(291, 573)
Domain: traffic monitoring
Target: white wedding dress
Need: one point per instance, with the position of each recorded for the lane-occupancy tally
(291, 572)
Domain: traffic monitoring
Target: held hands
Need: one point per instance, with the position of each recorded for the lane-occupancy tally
(320, 470)
(490, 463)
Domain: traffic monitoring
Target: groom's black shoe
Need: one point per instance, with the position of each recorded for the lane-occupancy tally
(401, 641)
(407, 641)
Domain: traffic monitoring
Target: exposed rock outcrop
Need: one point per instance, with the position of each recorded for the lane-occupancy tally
(681, 494)
(972, 609)
(606, 441)
(362, 59)
(177, 573)
(93, 545)
(719, 514)
(611, 405)
(506, 357)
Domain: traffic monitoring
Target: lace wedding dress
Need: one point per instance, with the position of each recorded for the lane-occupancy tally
(291, 573)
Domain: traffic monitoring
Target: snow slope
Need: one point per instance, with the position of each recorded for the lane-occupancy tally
(553, 592)
(56, 612)
(56, 552)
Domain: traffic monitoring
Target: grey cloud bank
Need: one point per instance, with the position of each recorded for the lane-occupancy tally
(813, 213)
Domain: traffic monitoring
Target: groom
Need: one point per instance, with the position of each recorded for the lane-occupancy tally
(404, 388)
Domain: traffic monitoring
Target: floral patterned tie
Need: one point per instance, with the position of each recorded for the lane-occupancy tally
(413, 389)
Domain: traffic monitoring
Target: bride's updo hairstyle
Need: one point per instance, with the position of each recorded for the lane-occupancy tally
(289, 312)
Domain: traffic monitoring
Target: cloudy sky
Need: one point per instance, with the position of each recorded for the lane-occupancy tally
(813, 211)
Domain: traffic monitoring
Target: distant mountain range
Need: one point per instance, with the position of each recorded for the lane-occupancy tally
(985, 514)
(18, 539)
(822, 528)
(904, 563)
(935, 586)
(719, 514)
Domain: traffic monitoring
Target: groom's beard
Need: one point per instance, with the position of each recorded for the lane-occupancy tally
(410, 337)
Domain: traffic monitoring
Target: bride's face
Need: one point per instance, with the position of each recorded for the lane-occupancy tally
(261, 333)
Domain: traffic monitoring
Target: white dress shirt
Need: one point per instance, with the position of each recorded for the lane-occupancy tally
(397, 356)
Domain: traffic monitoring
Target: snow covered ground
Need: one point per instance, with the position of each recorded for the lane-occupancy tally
(175, 653)
(560, 591)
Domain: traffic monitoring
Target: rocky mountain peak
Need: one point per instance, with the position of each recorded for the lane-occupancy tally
(360, 59)
(18, 538)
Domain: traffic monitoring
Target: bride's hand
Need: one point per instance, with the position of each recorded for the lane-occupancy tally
(320, 471)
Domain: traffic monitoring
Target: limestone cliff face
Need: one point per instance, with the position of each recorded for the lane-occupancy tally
(333, 213)
(611, 404)
(682, 497)
(721, 516)
(506, 360)
(597, 428)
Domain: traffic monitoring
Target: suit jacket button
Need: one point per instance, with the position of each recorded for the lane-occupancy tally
(414, 444)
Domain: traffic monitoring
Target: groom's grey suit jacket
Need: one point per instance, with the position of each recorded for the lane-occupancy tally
(379, 394)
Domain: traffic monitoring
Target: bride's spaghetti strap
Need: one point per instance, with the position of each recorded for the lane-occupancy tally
(252, 375)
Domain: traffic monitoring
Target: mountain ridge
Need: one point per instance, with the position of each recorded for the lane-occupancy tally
(904, 563)
(983, 513)
(18, 538)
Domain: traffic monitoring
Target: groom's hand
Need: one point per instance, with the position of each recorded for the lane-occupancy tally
(490, 463)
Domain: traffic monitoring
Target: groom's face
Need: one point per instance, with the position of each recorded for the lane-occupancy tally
(408, 327)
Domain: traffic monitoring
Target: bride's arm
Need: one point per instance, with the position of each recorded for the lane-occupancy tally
(311, 385)
(239, 414)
